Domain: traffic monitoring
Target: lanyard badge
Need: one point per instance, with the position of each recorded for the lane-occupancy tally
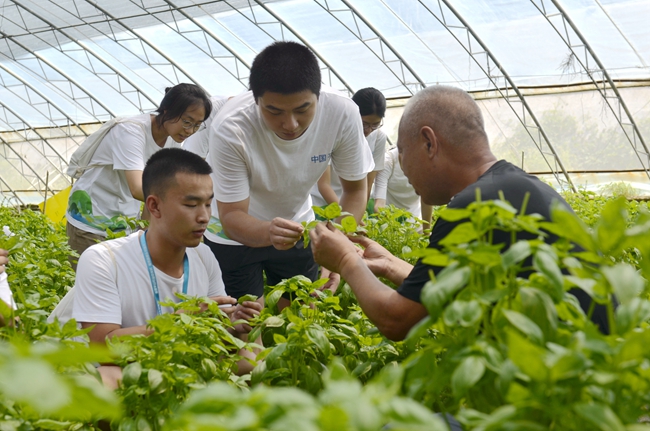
(152, 273)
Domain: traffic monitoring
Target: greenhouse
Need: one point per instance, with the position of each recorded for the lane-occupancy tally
(530, 311)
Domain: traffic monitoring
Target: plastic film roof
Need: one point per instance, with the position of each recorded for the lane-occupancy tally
(563, 84)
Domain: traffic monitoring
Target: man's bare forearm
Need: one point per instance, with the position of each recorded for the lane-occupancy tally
(246, 229)
(353, 199)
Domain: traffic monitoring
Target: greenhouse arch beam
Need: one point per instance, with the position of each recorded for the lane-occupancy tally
(217, 39)
(88, 49)
(23, 167)
(184, 34)
(42, 60)
(403, 64)
(62, 162)
(143, 40)
(619, 107)
(10, 190)
(47, 100)
(301, 38)
(508, 90)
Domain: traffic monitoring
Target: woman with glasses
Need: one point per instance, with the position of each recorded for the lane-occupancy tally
(372, 108)
(111, 187)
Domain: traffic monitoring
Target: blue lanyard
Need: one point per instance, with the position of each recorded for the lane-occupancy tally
(152, 273)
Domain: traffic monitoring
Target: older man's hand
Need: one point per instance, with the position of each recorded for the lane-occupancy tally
(331, 248)
(376, 257)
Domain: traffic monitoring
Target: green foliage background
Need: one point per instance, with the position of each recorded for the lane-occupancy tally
(498, 351)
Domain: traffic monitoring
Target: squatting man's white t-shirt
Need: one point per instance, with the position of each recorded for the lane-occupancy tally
(102, 193)
(123, 295)
(250, 161)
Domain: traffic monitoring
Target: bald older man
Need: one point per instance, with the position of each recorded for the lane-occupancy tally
(445, 153)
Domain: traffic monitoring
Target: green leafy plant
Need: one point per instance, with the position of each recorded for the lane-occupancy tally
(517, 352)
(330, 213)
(343, 404)
(48, 386)
(186, 350)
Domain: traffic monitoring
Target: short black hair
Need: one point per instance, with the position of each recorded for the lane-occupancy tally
(285, 68)
(165, 164)
(178, 99)
(370, 102)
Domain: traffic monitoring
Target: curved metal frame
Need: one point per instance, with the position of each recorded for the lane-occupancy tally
(182, 33)
(42, 61)
(382, 42)
(424, 44)
(48, 101)
(23, 164)
(636, 139)
(302, 39)
(542, 142)
(61, 167)
(217, 39)
(87, 50)
(143, 42)
(10, 190)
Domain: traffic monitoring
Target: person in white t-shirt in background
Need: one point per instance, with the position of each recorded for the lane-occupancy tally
(112, 186)
(5, 291)
(120, 283)
(372, 107)
(393, 188)
(268, 147)
(198, 143)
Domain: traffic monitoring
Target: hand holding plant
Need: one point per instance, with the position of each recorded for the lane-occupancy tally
(332, 249)
(284, 234)
(244, 313)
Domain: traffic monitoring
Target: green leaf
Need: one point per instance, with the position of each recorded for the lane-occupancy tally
(525, 325)
(528, 357)
(600, 416)
(625, 281)
(155, 378)
(545, 263)
(318, 337)
(247, 297)
(516, 253)
(461, 234)
(274, 322)
(332, 211)
(35, 383)
(131, 374)
(463, 313)
(467, 374)
(567, 225)
(349, 224)
(320, 212)
(612, 224)
(272, 299)
(435, 295)
(454, 214)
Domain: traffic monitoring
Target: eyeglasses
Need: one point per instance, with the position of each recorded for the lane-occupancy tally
(368, 126)
(194, 127)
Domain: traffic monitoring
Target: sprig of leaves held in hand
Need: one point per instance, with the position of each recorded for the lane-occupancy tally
(329, 214)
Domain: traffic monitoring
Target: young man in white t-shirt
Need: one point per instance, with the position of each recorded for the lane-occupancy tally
(5, 292)
(268, 147)
(121, 282)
